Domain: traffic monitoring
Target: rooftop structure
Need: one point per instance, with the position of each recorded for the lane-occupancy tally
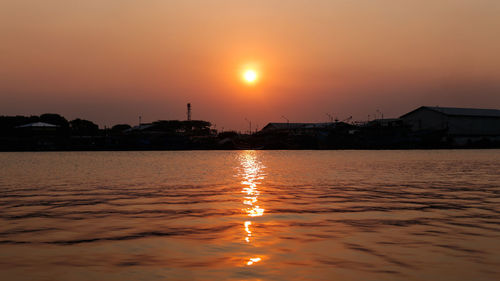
(299, 126)
(38, 125)
(456, 111)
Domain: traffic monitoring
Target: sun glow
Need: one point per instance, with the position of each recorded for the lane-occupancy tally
(250, 76)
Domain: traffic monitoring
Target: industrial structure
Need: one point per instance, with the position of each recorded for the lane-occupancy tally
(424, 127)
(274, 127)
(461, 125)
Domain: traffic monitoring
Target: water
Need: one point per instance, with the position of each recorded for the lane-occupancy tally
(250, 215)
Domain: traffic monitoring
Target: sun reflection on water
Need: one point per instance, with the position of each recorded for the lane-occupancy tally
(252, 174)
(253, 260)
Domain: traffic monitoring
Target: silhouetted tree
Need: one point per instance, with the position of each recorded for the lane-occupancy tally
(228, 134)
(118, 129)
(170, 126)
(56, 119)
(83, 127)
(10, 122)
(197, 127)
(176, 127)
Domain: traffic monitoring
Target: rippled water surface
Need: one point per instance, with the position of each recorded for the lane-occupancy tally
(250, 215)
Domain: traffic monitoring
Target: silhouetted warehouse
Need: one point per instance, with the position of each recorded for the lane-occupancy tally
(283, 126)
(296, 127)
(461, 124)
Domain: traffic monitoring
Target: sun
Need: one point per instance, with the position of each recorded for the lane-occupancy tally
(250, 76)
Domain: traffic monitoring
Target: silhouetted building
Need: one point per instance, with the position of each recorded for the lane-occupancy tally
(297, 127)
(386, 122)
(271, 127)
(138, 128)
(38, 127)
(462, 125)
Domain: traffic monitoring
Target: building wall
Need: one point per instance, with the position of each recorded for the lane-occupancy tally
(474, 126)
(425, 119)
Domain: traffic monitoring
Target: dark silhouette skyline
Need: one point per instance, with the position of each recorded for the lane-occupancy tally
(424, 127)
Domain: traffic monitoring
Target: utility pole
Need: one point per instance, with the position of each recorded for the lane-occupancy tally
(249, 126)
(330, 117)
(381, 114)
(287, 121)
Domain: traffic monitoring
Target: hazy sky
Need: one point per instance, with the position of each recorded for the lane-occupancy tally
(110, 61)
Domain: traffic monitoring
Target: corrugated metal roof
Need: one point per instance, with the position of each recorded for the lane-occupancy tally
(466, 111)
(139, 128)
(456, 111)
(319, 125)
(38, 125)
(284, 126)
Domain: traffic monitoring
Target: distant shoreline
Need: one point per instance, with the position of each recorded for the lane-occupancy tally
(284, 149)
(423, 128)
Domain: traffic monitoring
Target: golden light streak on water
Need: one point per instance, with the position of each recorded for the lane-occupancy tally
(250, 200)
(249, 232)
(251, 173)
(253, 260)
(255, 211)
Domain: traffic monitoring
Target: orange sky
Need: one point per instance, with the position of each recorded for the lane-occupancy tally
(110, 61)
